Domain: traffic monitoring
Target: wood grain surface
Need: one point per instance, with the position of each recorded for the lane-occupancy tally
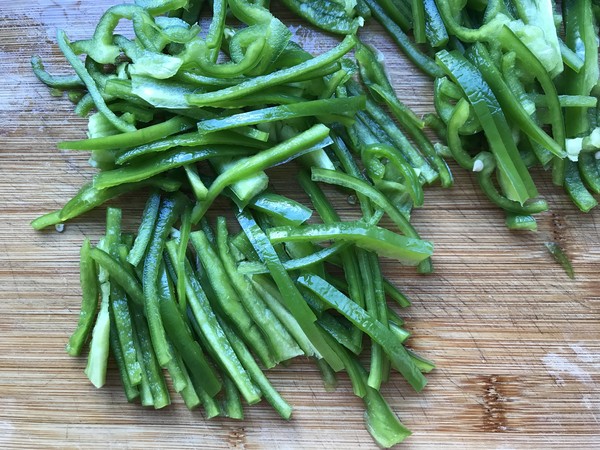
(517, 343)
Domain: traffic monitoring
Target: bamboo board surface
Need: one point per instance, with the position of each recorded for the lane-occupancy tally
(517, 344)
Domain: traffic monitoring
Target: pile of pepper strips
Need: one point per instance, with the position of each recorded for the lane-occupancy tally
(515, 87)
(163, 104)
(183, 294)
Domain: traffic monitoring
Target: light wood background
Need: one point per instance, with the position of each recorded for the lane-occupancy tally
(516, 342)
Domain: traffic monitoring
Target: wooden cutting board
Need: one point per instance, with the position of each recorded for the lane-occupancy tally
(516, 342)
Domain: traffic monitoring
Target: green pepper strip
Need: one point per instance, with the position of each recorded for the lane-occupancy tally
(422, 61)
(285, 209)
(89, 301)
(435, 30)
(561, 258)
(162, 163)
(280, 341)
(569, 57)
(54, 81)
(418, 14)
(408, 250)
(184, 236)
(90, 197)
(459, 117)
(484, 176)
(188, 140)
(362, 187)
(328, 15)
(399, 11)
(260, 83)
(179, 332)
(493, 121)
(292, 298)
(167, 215)
(131, 391)
(363, 320)
(133, 138)
(144, 386)
(316, 136)
(576, 189)
(228, 299)
(255, 267)
(136, 254)
(210, 329)
(326, 110)
(123, 327)
(257, 375)
(90, 84)
(122, 277)
(216, 29)
(520, 222)
(154, 374)
(510, 104)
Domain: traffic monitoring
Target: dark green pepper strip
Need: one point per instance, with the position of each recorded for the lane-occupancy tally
(485, 161)
(435, 30)
(228, 299)
(279, 340)
(365, 189)
(580, 34)
(122, 277)
(576, 189)
(123, 328)
(459, 117)
(255, 267)
(326, 110)
(330, 381)
(132, 139)
(136, 254)
(316, 136)
(510, 104)
(590, 173)
(163, 162)
(340, 332)
(328, 15)
(292, 298)
(371, 156)
(216, 28)
(408, 250)
(188, 140)
(90, 197)
(422, 61)
(183, 341)
(418, 15)
(184, 236)
(493, 122)
(54, 81)
(89, 300)
(144, 386)
(288, 75)
(511, 42)
(231, 404)
(90, 84)
(246, 358)
(209, 328)
(399, 11)
(154, 374)
(363, 320)
(167, 216)
(561, 258)
(131, 391)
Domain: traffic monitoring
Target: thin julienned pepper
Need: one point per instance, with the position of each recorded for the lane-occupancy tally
(520, 222)
(292, 299)
(231, 404)
(122, 277)
(123, 327)
(408, 250)
(131, 392)
(328, 15)
(316, 136)
(184, 236)
(398, 11)
(576, 189)
(167, 216)
(229, 301)
(561, 258)
(340, 110)
(515, 175)
(360, 318)
(90, 84)
(144, 234)
(422, 61)
(280, 341)
(54, 81)
(418, 22)
(163, 162)
(435, 30)
(89, 300)
(280, 77)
